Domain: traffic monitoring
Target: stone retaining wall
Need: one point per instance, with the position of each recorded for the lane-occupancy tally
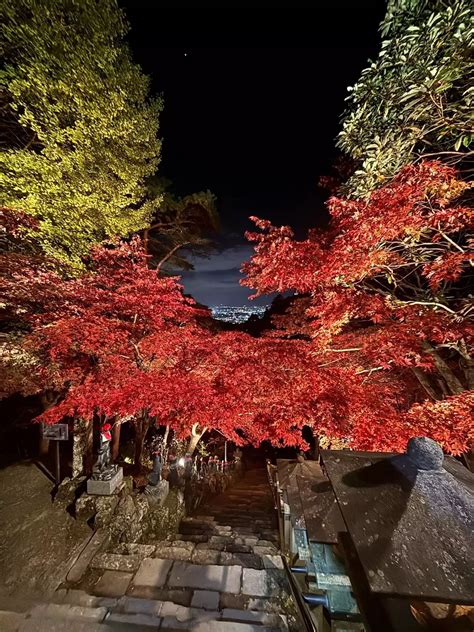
(129, 515)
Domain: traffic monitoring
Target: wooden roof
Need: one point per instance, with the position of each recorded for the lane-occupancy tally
(412, 526)
(313, 505)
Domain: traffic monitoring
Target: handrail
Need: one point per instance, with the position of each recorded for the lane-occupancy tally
(297, 595)
(310, 626)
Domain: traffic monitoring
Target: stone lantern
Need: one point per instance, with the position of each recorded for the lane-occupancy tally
(410, 526)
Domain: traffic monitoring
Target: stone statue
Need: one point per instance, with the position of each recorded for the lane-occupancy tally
(238, 459)
(104, 469)
(155, 477)
(188, 466)
(157, 488)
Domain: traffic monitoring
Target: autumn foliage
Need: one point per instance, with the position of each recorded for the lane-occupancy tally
(374, 350)
(122, 342)
(389, 300)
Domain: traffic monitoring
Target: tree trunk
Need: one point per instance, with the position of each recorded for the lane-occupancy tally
(316, 445)
(78, 448)
(116, 428)
(141, 428)
(145, 240)
(88, 446)
(425, 382)
(467, 364)
(454, 385)
(442, 387)
(165, 436)
(196, 435)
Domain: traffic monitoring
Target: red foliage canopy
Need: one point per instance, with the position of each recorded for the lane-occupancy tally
(388, 282)
(122, 341)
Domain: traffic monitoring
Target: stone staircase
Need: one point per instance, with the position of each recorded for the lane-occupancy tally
(221, 573)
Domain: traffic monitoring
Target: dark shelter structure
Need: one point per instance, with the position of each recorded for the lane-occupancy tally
(381, 541)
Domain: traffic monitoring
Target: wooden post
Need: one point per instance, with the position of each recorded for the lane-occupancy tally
(58, 463)
(88, 446)
(116, 428)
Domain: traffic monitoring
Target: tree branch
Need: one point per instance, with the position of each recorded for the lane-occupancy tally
(425, 382)
(432, 303)
(451, 380)
(170, 254)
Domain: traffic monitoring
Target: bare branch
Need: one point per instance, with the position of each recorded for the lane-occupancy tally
(170, 254)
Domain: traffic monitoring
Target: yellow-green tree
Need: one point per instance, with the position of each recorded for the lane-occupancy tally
(79, 137)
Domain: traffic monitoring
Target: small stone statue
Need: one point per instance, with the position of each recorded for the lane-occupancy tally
(238, 459)
(103, 469)
(157, 488)
(155, 477)
(188, 466)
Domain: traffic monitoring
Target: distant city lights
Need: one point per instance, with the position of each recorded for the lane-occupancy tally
(237, 315)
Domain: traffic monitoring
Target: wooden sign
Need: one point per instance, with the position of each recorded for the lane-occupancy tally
(56, 432)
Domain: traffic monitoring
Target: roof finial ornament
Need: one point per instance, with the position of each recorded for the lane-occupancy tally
(425, 453)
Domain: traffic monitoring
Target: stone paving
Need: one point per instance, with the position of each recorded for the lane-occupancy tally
(221, 573)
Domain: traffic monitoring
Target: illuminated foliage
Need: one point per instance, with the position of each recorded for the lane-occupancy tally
(389, 285)
(177, 224)
(416, 98)
(80, 136)
(121, 341)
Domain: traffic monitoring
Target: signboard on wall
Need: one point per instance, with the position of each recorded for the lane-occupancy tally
(56, 432)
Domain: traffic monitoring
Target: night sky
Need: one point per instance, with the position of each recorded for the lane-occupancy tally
(252, 106)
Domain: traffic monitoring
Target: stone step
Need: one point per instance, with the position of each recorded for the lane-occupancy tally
(217, 528)
(240, 537)
(69, 619)
(244, 519)
(217, 626)
(221, 513)
(256, 617)
(190, 530)
(174, 616)
(205, 606)
(259, 558)
(246, 516)
(191, 538)
(246, 529)
(76, 597)
(68, 611)
(195, 526)
(220, 573)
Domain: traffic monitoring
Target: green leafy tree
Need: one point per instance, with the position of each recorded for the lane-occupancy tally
(79, 132)
(417, 98)
(180, 225)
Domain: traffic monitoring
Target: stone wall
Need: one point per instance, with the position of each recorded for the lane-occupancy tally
(129, 515)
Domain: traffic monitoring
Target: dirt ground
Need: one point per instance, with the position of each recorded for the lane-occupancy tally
(36, 538)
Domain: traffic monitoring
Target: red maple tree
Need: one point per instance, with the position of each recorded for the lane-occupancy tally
(389, 294)
(122, 342)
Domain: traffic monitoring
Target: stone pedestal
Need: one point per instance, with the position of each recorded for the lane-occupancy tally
(156, 495)
(105, 488)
